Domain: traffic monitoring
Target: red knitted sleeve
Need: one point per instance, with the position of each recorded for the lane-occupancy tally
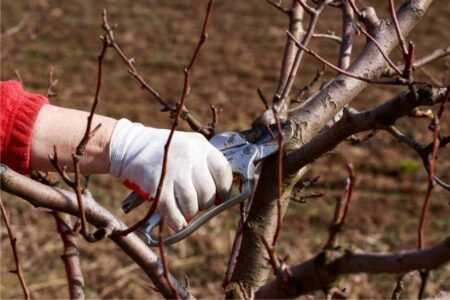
(18, 114)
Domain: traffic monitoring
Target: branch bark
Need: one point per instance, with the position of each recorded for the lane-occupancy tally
(60, 200)
(320, 271)
(251, 268)
(313, 115)
(70, 256)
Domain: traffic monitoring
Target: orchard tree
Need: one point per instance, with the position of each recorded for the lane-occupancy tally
(322, 119)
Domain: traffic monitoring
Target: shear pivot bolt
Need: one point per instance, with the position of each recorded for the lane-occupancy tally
(249, 150)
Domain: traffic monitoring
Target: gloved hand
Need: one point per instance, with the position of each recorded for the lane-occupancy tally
(196, 172)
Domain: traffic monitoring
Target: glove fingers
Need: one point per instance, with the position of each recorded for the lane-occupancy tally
(220, 170)
(186, 198)
(204, 185)
(169, 210)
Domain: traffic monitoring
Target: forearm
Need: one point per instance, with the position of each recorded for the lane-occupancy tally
(64, 128)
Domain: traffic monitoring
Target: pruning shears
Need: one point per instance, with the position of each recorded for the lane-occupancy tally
(244, 150)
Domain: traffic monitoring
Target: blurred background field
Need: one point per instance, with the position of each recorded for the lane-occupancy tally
(242, 53)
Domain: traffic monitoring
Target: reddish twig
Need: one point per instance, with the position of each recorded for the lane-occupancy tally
(355, 8)
(309, 86)
(431, 168)
(180, 105)
(70, 256)
(281, 270)
(431, 183)
(132, 70)
(79, 152)
(278, 6)
(398, 81)
(164, 261)
(386, 57)
(398, 30)
(13, 241)
(81, 148)
(419, 63)
(341, 210)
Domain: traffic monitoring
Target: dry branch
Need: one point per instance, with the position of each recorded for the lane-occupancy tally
(13, 242)
(132, 70)
(60, 200)
(318, 272)
(70, 256)
(354, 122)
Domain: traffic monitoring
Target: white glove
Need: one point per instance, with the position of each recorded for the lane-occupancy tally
(196, 172)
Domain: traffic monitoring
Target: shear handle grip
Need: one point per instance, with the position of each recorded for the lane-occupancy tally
(155, 220)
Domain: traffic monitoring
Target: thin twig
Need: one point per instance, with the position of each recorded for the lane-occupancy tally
(339, 70)
(136, 249)
(263, 99)
(330, 36)
(51, 84)
(341, 210)
(164, 261)
(19, 78)
(419, 63)
(180, 105)
(81, 148)
(386, 57)
(431, 161)
(278, 6)
(309, 86)
(397, 29)
(13, 242)
(132, 70)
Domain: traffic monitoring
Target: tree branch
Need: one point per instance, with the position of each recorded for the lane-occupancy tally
(318, 272)
(13, 242)
(348, 32)
(60, 200)
(353, 122)
(251, 268)
(70, 256)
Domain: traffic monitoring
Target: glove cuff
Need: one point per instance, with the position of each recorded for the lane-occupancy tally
(124, 133)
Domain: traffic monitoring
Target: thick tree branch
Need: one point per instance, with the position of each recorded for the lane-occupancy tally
(60, 200)
(251, 268)
(318, 272)
(296, 28)
(354, 122)
(348, 32)
(313, 114)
